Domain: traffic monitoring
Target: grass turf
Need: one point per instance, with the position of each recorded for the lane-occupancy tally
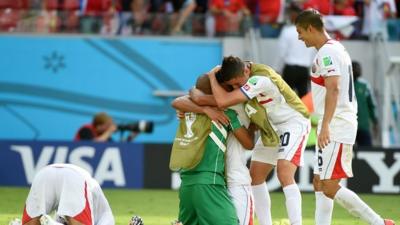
(160, 207)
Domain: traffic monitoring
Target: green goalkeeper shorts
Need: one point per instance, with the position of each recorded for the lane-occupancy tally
(206, 204)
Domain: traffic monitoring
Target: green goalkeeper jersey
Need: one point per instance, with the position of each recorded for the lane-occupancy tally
(197, 133)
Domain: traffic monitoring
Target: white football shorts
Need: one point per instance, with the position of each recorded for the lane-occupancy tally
(334, 161)
(293, 136)
(242, 199)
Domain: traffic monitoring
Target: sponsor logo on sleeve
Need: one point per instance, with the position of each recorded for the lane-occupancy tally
(327, 61)
(253, 80)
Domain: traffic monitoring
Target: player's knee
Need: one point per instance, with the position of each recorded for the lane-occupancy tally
(330, 190)
(329, 193)
(257, 180)
(285, 178)
(257, 177)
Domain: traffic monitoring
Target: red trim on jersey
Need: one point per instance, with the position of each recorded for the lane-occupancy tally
(338, 171)
(318, 80)
(251, 211)
(297, 155)
(25, 217)
(85, 217)
(266, 101)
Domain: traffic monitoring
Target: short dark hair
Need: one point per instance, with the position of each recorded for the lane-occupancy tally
(310, 17)
(231, 68)
(356, 69)
(203, 84)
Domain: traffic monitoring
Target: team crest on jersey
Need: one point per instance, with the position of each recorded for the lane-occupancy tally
(253, 80)
(246, 87)
(327, 61)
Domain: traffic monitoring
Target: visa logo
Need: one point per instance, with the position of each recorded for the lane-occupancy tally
(109, 168)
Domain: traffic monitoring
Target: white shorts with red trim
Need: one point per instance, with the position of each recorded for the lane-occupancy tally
(242, 198)
(293, 135)
(334, 161)
(61, 189)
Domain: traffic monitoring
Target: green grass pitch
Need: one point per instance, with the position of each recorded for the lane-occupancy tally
(160, 207)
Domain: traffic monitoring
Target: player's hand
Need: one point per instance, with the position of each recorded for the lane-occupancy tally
(180, 114)
(324, 137)
(217, 116)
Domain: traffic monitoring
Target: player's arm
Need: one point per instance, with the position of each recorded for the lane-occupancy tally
(223, 98)
(243, 135)
(201, 99)
(184, 104)
(331, 98)
(246, 136)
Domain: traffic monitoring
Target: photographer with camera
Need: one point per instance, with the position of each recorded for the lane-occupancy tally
(102, 128)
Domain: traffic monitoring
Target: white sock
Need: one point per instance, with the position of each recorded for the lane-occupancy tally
(350, 201)
(323, 209)
(293, 203)
(262, 204)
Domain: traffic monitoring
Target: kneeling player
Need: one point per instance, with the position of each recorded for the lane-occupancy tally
(71, 192)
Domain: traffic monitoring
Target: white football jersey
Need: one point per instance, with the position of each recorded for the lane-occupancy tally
(70, 190)
(270, 97)
(332, 59)
(237, 172)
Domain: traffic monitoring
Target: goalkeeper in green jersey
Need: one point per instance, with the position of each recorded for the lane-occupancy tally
(198, 153)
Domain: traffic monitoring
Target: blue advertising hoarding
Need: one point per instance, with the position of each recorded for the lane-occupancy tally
(127, 165)
(119, 165)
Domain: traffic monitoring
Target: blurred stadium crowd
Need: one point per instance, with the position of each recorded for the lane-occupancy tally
(185, 17)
